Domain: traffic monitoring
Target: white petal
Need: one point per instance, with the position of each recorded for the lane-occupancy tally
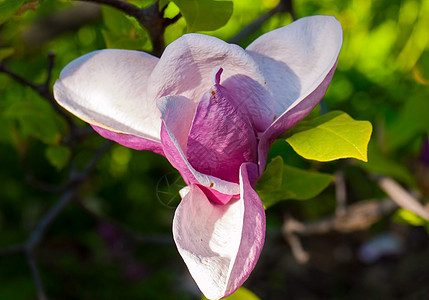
(296, 58)
(108, 88)
(220, 244)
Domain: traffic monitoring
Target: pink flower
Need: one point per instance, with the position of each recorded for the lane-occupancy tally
(212, 109)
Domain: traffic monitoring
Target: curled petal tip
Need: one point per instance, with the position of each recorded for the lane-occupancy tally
(216, 75)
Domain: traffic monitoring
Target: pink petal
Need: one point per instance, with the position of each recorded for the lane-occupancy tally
(290, 119)
(299, 61)
(177, 113)
(215, 196)
(220, 244)
(185, 69)
(108, 89)
(129, 140)
(221, 137)
(297, 58)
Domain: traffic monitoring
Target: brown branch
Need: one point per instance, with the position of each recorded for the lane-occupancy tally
(76, 133)
(151, 18)
(42, 89)
(282, 7)
(12, 250)
(126, 7)
(298, 251)
(41, 295)
(41, 228)
(131, 234)
(341, 193)
(173, 20)
(75, 179)
(403, 198)
(46, 29)
(356, 217)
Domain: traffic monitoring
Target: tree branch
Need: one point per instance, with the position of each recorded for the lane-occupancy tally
(47, 220)
(46, 29)
(403, 198)
(131, 234)
(358, 216)
(42, 89)
(151, 18)
(126, 7)
(12, 250)
(298, 251)
(341, 193)
(41, 295)
(75, 178)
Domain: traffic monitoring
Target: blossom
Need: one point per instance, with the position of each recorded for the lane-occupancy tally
(212, 109)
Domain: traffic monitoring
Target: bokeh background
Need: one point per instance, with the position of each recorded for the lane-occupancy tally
(114, 241)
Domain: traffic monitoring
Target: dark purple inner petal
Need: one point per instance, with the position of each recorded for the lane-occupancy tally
(221, 137)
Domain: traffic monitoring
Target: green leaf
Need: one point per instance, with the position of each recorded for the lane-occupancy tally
(406, 217)
(271, 179)
(6, 52)
(331, 136)
(163, 3)
(122, 32)
(241, 294)
(58, 156)
(204, 14)
(8, 8)
(116, 21)
(281, 182)
(171, 10)
(114, 41)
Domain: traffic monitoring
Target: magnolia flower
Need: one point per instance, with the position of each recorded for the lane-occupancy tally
(212, 109)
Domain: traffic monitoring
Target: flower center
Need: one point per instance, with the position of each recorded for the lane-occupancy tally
(221, 137)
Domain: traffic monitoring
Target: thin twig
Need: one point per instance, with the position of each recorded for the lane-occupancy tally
(136, 237)
(298, 251)
(12, 250)
(172, 20)
(52, 25)
(75, 178)
(48, 218)
(283, 6)
(126, 7)
(40, 185)
(341, 193)
(402, 197)
(41, 295)
(42, 89)
(151, 18)
(358, 216)
(51, 61)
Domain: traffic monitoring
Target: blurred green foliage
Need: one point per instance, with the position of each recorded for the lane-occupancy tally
(382, 76)
(281, 182)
